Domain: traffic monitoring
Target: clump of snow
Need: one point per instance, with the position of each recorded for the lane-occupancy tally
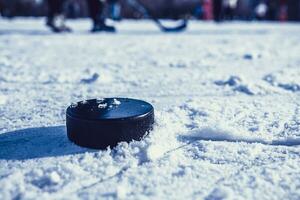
(223, 134)
(102, 105)
(99, 100)
(54, 177)
(84, 102)
(3, 100)
(122, 191)
(116, 102)
(270, 78)
(74, 105)
(160, 141)
(155, 151)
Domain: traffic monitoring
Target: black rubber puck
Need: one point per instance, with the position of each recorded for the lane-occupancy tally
(99, 123)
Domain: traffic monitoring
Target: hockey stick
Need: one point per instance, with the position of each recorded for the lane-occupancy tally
(140, 7)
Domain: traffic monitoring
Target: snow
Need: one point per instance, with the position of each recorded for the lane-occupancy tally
(219, 134)
(116, 102)
(3, 100)
(102, 105)
(226, 100)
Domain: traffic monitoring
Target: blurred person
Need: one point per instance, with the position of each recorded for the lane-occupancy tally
(73, 9)
(273, 9)
(244, 9)
(198, 10)
(1, 8)
(207, 9)
(96, 8)
(282, 15)
(293, 8)
(115, 10)
(55, 17)
(229, 7)
(217, 10)
(8, 8)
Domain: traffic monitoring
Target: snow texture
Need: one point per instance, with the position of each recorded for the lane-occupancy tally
(226, 100)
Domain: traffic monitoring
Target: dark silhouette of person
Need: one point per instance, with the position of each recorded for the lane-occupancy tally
(56, 19)
(96, 14)
(293, 10)
(273, 9)
(1, 8)
(217, 10)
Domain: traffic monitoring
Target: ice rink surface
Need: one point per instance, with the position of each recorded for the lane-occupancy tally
(227, 105)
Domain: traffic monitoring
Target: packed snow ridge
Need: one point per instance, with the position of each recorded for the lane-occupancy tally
(219, 134)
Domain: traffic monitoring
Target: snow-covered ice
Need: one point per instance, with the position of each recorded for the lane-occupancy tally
(227, 107)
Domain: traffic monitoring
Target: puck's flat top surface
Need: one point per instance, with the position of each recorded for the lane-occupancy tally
(110, 109)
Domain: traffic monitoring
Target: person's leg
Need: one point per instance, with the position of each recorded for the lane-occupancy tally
(293, 10)
(217, 10)
(54, 8)
(95, 8)
(96, 11)
(115, 9)
(55, 14)
(1, 8)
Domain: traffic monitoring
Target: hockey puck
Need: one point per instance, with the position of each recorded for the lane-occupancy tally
(99, 123)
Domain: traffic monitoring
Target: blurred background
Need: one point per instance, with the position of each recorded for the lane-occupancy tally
(279, 10)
